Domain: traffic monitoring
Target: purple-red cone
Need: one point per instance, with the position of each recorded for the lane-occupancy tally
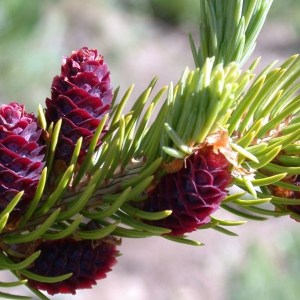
(193, 193)
(21, 154)
(87, 260)
(81, 95)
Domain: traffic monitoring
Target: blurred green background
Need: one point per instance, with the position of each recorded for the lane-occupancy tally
(36, 34)
(139, 40)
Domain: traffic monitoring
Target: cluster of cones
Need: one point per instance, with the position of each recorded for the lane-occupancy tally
(80, 96)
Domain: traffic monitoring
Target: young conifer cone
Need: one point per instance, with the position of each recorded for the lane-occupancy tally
(21, 154)
(88, 261)
(289, 194)
(81, 95)
(193, 193)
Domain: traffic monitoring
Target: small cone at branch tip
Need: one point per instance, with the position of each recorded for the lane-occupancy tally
(81, 95)
(285, 192)
(88, 260)
(289, 194)
(21, 155)
(193, 192)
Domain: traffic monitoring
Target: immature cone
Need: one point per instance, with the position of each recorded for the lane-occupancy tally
(288, 187)
(81, 95)
(193, 193)
(21, 154)
(87, 260)
(286, 193)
